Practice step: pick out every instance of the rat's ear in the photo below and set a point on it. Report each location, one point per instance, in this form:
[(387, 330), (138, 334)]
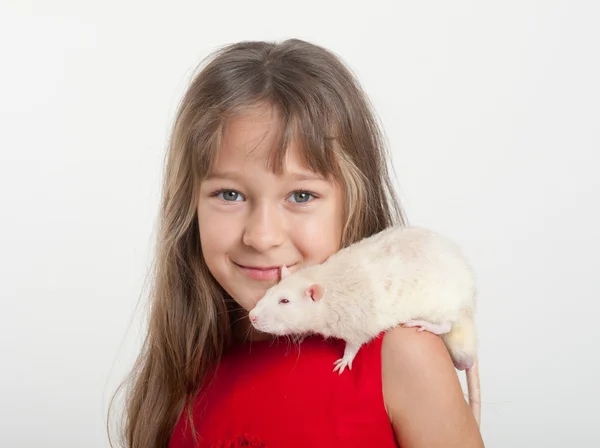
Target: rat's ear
[(315, 292), (284, 271)]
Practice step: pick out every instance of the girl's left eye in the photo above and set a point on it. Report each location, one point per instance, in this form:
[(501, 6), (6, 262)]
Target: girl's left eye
[(228, 195), (301, 197)]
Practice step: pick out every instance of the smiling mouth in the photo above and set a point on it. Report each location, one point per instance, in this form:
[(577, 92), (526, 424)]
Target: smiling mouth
[(261, 272), (259, 268)]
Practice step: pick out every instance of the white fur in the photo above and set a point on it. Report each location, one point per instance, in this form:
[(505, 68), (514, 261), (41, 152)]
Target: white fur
[(396, 276)]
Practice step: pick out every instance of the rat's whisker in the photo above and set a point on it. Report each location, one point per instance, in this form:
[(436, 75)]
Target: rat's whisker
[(247, 334)]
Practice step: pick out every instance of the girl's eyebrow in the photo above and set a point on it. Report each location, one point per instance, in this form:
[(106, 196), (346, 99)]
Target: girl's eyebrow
[(231, 175), (237, 176), (306, 176)]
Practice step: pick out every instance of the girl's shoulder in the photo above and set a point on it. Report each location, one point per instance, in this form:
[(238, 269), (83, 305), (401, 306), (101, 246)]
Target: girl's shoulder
[(278, 393), (422, 390)]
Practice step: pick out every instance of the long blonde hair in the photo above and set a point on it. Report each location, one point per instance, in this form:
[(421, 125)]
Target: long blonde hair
[(322, 106)]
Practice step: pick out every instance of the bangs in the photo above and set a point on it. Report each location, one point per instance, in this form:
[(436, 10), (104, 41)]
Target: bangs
[(313, 137)]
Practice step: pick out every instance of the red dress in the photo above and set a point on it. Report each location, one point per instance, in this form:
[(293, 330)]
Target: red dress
[(275, 394)]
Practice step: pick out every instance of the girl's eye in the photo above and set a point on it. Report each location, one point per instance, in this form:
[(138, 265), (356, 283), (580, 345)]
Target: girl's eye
[(301, 196), (284, 301), (228, 195)]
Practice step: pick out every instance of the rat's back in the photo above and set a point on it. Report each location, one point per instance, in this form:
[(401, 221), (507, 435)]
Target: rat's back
[(420, 273)]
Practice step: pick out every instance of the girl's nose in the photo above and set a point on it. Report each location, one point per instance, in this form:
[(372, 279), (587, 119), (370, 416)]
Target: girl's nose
[(264, 229)]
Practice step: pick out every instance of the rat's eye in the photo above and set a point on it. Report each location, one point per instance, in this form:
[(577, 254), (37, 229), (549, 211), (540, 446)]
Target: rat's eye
[(284, 300)]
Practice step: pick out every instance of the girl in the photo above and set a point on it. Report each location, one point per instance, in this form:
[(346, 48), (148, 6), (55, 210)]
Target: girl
[(276, 159)]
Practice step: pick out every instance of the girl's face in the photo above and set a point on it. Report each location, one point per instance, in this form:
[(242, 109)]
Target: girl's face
[(252, 221)]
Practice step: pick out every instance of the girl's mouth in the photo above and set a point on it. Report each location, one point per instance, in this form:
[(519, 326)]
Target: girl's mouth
[(261, 272)]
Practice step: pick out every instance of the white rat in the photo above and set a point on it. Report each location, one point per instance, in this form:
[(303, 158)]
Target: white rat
[(407, 276)]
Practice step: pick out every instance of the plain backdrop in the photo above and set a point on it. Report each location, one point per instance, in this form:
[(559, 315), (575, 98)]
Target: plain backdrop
[(492, 111)]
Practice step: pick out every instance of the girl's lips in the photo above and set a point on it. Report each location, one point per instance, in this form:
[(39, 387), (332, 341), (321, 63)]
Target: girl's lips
[(260, 273)]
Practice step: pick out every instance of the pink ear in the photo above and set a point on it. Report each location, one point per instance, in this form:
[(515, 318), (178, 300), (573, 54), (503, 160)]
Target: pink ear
[(284, 271), (314, 291)]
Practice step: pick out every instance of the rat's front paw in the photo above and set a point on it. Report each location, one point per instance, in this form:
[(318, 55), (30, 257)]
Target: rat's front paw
[(342, 363), (350, 352)]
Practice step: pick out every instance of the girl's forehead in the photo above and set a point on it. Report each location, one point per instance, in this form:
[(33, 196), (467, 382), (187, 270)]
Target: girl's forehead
[(258, 139), (254, 143), (236, 166), (260, 158)]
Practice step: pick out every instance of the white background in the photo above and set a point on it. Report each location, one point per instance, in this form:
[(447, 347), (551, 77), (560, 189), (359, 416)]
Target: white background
[(492, 110)]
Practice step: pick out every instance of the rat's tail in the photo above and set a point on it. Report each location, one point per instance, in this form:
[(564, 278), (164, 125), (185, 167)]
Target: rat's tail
[(461, 342), (474, 390)]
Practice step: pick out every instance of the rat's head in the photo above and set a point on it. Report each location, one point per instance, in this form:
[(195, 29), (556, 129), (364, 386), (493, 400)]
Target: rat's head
[(289, 307)]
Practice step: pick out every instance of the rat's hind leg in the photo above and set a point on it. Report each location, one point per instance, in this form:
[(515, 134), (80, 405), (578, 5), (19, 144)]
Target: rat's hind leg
[(462, 342), (438, 329), (346, 361)]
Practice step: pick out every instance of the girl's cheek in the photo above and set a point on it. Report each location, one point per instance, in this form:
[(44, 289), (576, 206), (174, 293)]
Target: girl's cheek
[(317, 237), (218, 230), (215, 227)]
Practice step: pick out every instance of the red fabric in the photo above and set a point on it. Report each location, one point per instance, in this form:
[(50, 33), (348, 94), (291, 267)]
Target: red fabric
[(274, 394)]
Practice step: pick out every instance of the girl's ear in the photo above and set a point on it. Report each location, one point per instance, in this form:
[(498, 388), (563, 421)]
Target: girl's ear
[(284, 271), (315, 292)]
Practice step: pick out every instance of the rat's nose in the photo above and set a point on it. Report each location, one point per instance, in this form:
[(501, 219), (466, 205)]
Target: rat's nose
[(253, 317)]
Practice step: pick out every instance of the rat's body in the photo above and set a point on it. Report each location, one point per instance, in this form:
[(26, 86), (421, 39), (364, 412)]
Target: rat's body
[(401, 276)]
